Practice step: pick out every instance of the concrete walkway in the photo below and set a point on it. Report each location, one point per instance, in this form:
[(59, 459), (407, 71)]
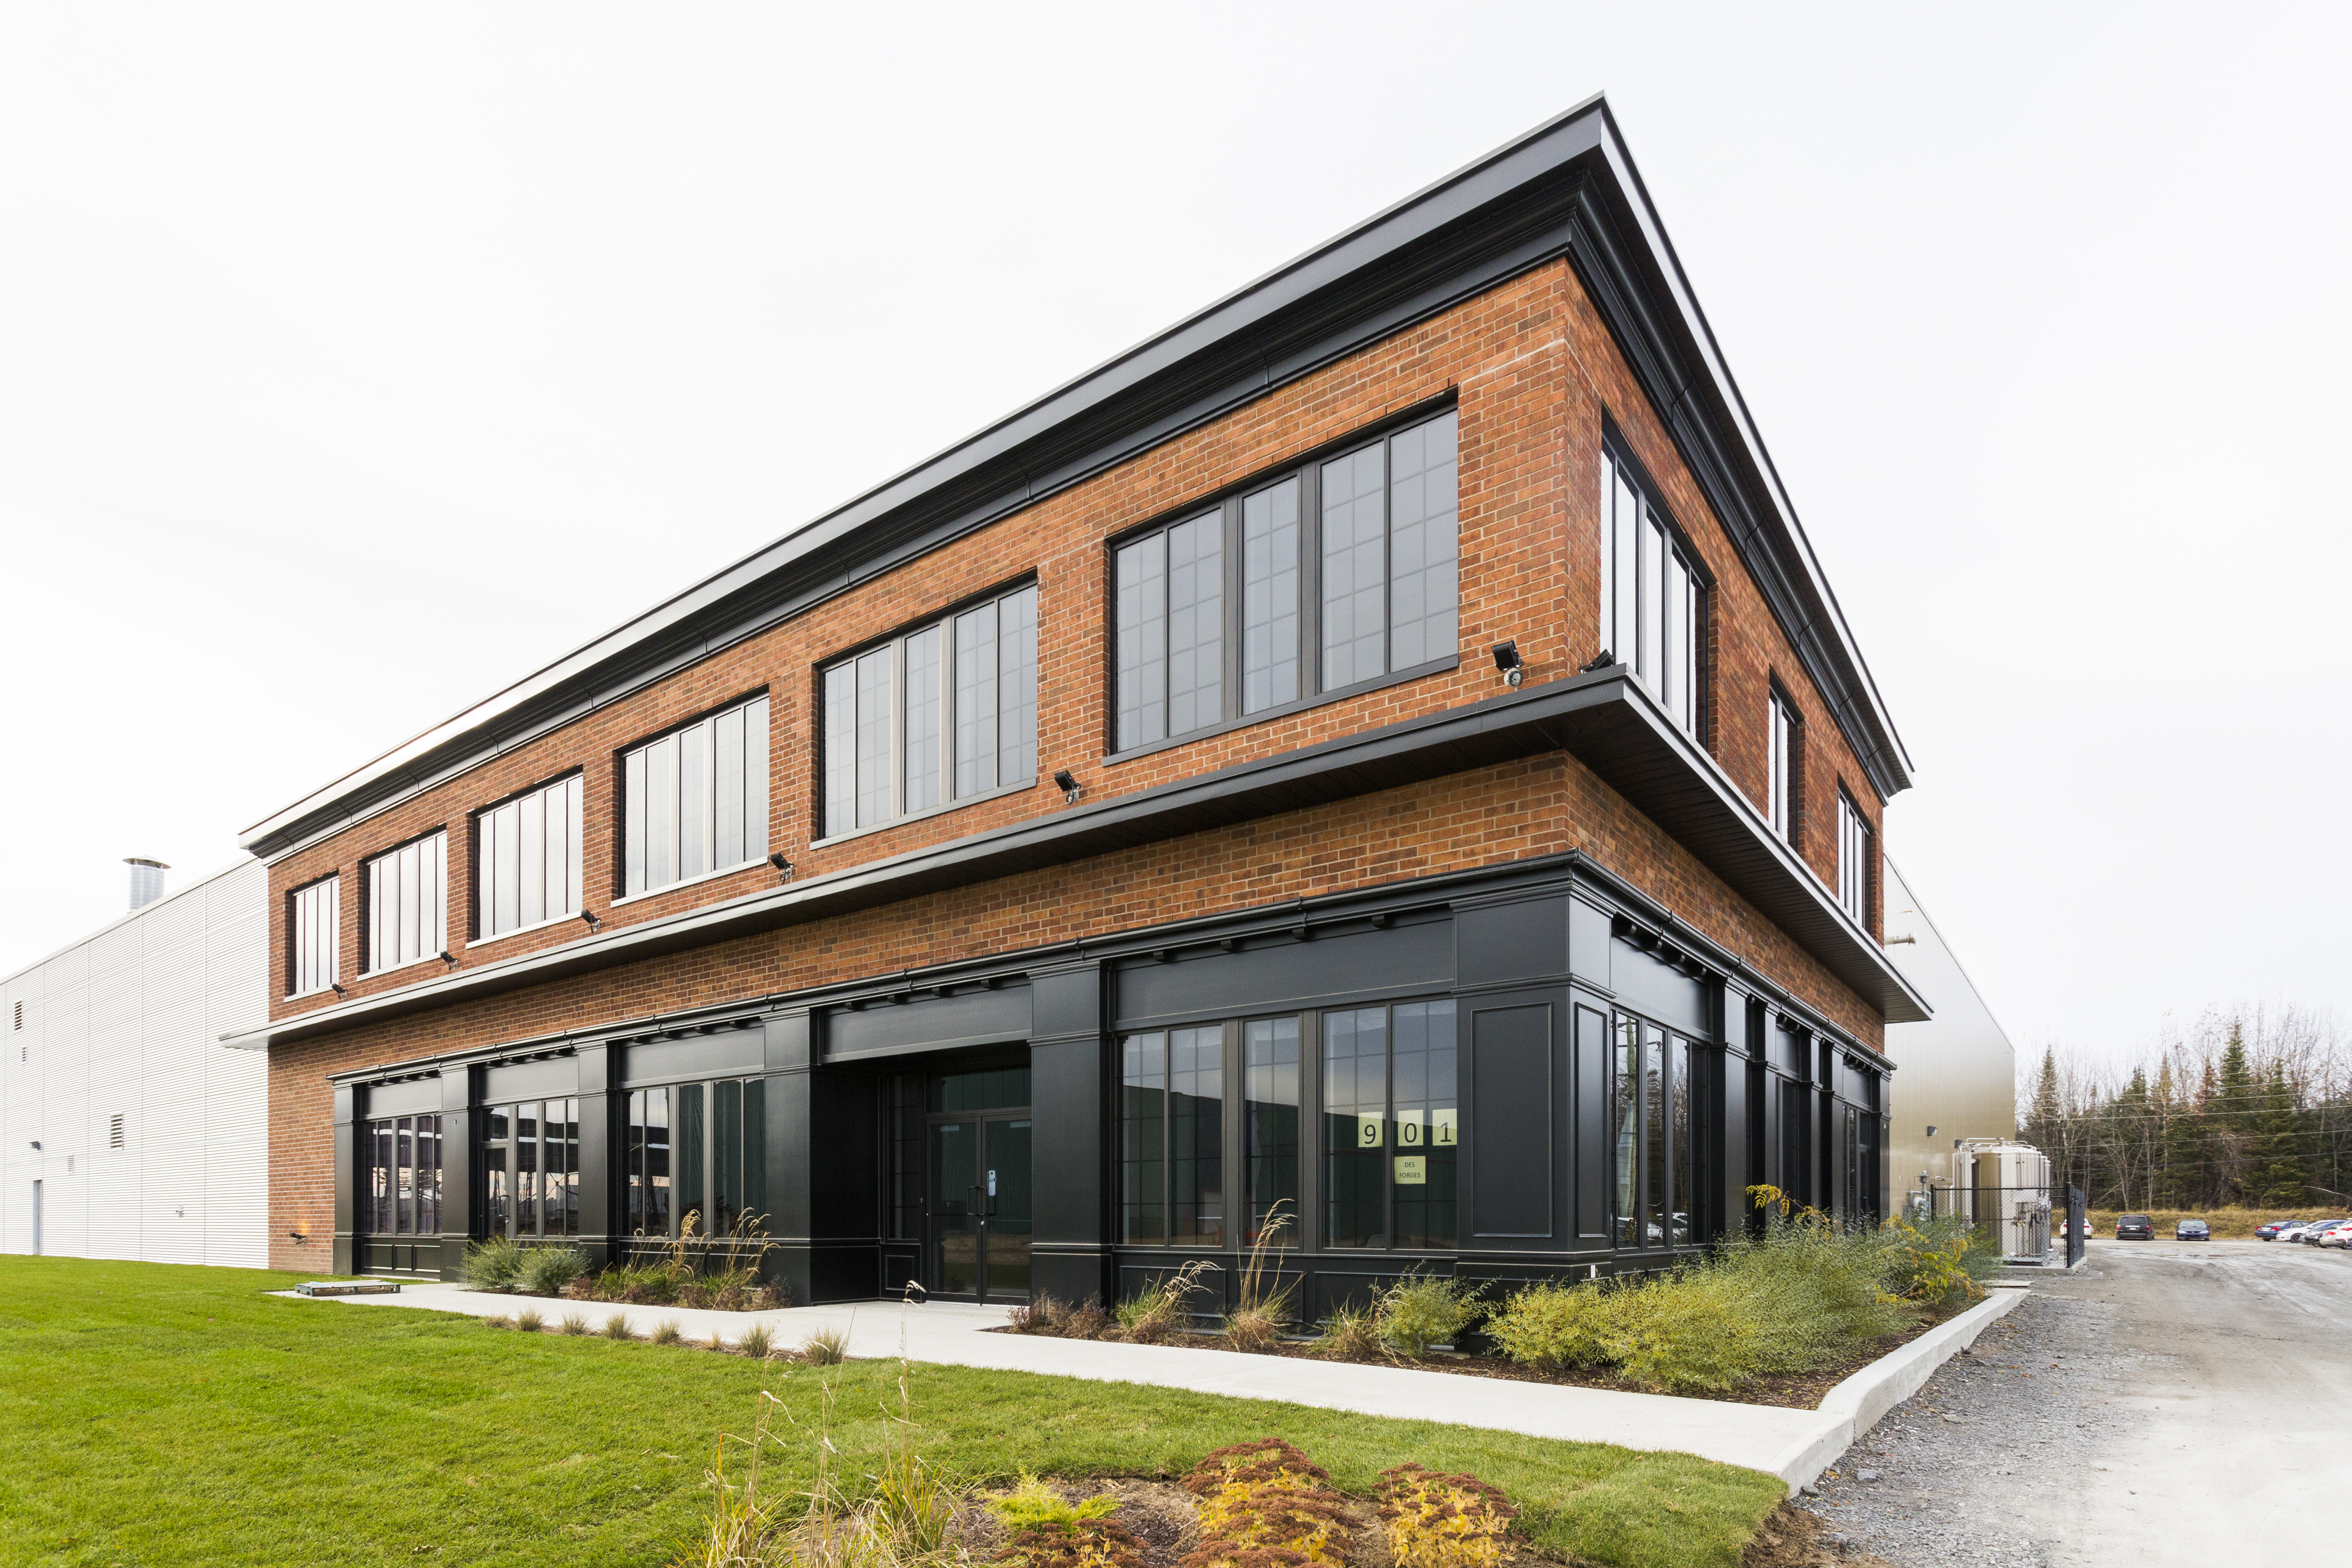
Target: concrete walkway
[(1794, 1445)]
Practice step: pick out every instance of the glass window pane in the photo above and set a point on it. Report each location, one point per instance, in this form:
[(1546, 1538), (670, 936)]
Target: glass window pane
[(874, 737), (1355, 570), (1627, 522), (1196, 1136), (1270, 1132), (1680, 1193), (1625, 1135), (1142, 573), (727, 789), (659, 1210), (526, 1169), (755, 780), (1654, 540), (634, 804), (1424, 543), (410, 941), (1196, 623), (1608, 550), (661, 812), (694, 800), (975, 700), (379, 1178), (1016, 685), (840, 749), (1270, 597), (1355, 1127), (1653, 1136), (726, 1156), (529, 862), (1674, 673), (569, 902), (920, 745), (1428, 1122), (755, 1158), (1142, 1138), (686, 1174)]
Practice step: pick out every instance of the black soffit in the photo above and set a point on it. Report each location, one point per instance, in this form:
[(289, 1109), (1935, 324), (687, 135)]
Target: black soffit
[(1605, 719), (1567, 189)]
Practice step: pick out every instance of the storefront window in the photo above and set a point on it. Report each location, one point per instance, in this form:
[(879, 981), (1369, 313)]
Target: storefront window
[(696, 1153), (531, 1168), (1652, 1136), (1172, 1135), (403, 1177), (1392, 1126), (1270, 1129)]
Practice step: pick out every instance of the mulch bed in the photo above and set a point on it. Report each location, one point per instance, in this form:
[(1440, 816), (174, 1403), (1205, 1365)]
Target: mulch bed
[(1803, 1390)]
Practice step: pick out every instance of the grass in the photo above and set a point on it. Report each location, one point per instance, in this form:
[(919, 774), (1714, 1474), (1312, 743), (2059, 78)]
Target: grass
[(153, 1413)]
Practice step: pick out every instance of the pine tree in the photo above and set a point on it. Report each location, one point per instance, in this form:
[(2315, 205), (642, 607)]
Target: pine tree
[(2184, 1152), (2278, 1172), (2234, 1112)]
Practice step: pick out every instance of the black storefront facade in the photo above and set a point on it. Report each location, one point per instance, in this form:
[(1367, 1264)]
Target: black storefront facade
[(1530, 1070)]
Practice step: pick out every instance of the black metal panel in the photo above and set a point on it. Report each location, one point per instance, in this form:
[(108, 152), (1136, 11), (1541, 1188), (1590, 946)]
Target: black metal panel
[(407, 1098), (1589, 937), (457, 1168), (1510, 1136), (1504, 944), (532, 1080), (347, 1115), (1590, 1070), (730, 1052), (1281, 972), (1659, 991), (786, 1040), (1070, 1170), (933, 1023)]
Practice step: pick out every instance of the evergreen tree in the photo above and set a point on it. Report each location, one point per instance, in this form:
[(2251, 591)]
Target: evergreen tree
[(2240, 1098), (2278, 1172), (2184, 1154)]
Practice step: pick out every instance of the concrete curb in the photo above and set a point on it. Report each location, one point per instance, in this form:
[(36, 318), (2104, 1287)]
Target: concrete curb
[(1855, 1406)]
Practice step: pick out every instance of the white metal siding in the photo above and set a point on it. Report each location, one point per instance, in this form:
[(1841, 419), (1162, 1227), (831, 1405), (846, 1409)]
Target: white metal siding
[(128, 1023)]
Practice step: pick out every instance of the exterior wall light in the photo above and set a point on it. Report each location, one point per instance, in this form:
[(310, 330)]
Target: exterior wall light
[(341, 990), (784, 867), (1600, 661), (1067, 784), (449, 958), (589, 917), (1507, 660)]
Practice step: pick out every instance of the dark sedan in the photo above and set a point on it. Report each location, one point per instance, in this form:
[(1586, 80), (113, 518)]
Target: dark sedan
[(2134, 1228), (2192, 1230)]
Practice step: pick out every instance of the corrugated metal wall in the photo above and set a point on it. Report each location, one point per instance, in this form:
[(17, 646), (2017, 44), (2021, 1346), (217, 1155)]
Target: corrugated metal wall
[(128, 1024)]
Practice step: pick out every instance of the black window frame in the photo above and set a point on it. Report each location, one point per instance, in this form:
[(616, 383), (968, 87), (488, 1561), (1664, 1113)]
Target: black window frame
[(634, 1180), (1680, 1161), (1618, 464), (1227, 503)]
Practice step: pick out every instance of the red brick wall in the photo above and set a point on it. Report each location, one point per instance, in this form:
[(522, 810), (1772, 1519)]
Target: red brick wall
[(1534, 368)]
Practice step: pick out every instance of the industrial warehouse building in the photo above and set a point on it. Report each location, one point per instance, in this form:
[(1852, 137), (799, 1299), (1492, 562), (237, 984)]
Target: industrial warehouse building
[(130, 1133), (1381, 753)]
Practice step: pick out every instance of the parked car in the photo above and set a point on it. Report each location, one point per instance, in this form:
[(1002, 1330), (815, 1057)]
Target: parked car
[(2294, 1231), (2338, 1235), (2270, 1233), (2192, 1230), (2311, 1235), (2134, 1228)]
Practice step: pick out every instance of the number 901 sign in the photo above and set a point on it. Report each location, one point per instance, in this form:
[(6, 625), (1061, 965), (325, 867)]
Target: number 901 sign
[(1414, 1130)]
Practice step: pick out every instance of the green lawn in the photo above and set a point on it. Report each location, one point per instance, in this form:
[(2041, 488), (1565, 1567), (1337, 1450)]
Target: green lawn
[(153, 1413)]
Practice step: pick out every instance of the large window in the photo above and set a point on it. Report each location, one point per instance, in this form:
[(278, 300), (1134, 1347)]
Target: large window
[(407, 908), (942, 713), (696, 802), (314, 935), (531, 1168), (1337, 575), (1650, 1111), (1853, 859), (695, 1160), (1650, 593), (1392, 1126), (1781, 741), (1172, 1137), (527, 859), (404, 1179)]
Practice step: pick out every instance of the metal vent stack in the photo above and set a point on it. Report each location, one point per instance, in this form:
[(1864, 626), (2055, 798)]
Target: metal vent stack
[(146, 880)]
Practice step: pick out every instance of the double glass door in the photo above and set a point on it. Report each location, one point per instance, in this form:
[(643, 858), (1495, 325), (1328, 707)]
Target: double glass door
[(980, 1216)]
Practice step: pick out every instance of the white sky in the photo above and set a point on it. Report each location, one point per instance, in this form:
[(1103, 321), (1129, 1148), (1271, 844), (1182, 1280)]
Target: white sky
[(355, 361)]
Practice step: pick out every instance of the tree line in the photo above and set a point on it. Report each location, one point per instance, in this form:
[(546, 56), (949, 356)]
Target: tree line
[(2249, 1106)]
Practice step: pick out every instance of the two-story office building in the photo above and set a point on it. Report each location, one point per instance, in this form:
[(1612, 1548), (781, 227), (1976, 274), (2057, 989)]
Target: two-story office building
[(1380, 753)]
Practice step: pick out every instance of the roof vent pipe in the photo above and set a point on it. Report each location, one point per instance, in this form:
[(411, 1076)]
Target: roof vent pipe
[(146, 881)]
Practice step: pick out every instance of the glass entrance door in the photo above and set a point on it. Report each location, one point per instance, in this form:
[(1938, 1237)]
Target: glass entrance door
[(980, 1208)]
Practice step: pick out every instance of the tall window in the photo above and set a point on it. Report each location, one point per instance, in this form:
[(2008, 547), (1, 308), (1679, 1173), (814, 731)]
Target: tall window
[(946, 711), (1172, 1137), (527, 859), (696, 800), (1337, 575), (1780, 786), (531, 1168), (1650, 1110), (404, 1179), (696, 1159), (314, 933), (1270, 1126), (1853, 859), (408, 914), (1649, 593), (1392, 1126)]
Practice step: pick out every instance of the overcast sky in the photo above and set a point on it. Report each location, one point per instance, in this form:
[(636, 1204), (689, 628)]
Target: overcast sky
[(355, 361)]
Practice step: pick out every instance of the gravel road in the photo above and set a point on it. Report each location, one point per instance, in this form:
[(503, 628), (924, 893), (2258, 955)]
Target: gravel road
[(2159, 1405)]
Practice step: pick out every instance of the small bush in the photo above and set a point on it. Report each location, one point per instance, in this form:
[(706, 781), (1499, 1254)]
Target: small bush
[(1154, 1314), (574, 1324), (1033, 1504), (1265, 1505), (1554, 1326), (1043, 1314), (826, 1347), (667, 1332), (529, 1321), (758, 1340), (1254, 1329), (1443, 1521), (1423, 1309), (1349, 1332), (1088, 1320), (617, 1327), (548, 1270), (495, 1265)]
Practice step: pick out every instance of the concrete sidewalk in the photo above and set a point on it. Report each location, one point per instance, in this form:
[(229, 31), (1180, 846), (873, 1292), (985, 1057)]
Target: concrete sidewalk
[(1794, 1445)]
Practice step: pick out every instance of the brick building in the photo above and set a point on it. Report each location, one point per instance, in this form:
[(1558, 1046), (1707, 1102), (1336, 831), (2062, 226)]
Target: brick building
[(1380, 752)]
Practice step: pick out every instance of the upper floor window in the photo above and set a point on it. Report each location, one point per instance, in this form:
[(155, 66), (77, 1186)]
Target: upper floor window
[(407, 909), (696, 800), (1337, 574), (527, 859), (1853, 859), (1781, 786), (314, 930), (939, 714), (1649, 592)]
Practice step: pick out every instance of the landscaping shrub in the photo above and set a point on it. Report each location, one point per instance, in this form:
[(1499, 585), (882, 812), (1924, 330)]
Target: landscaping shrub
[(667, 1332), (617, 1327), (1434, 1521), (548, 1270), (574, 1324), (529, 1321), (1153, 1314), (1423, 1309), (758, 1341), (494, 1265), (826, 1347), (1265, 1505), (1349, 1332)]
